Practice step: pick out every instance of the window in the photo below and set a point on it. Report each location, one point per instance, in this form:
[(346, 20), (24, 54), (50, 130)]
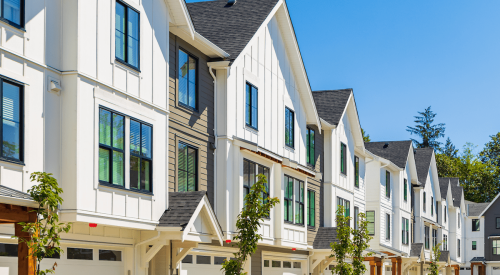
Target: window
[(458, 246), (80, 254), (496, 247), (444, 214), (294, 192), (474, 245), (250, 172), (425, 203), (297, 265), (356, 214), (437, 212), (405, 184), (110, 255), (141, 156), (387, 226), (266, 263), (434, 237), (356, 171), (203, 259), (252, 110), (289, 128), (127, 35), (459, 218), (426, 231), (220, 260), (13, 12), (432, 206), (287, 264), (346, 204), (187, 168), (276, 264), (445, 242), (8, 250), (12, 126), (498, 223), (188, 259), (311, 208), (370, 218), (187, 75), (343, 159), (111, 148), (405, 232), (475, 225), (311, 157), (388, 184)]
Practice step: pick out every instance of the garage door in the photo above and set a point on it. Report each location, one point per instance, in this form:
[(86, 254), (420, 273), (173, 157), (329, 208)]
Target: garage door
[(202, 263), (282, 267), (75, 260)]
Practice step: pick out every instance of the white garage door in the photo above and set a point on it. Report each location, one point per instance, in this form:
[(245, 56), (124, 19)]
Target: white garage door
[(205, 264), (282, 267), (75, 260)]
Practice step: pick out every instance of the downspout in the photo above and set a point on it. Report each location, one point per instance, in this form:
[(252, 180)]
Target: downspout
[(141, 243), (215, 137)]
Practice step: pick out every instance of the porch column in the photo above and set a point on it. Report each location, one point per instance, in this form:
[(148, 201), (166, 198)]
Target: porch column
[(379, 268), (400, 263), (372, 268)]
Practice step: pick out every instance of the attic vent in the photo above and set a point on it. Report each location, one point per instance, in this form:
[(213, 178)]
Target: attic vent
[(386, 145), (230, 3)]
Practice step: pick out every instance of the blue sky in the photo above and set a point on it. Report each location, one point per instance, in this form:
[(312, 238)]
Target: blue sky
[(403, 56)]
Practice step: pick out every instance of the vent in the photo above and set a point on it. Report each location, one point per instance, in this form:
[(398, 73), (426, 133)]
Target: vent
[(386, 145), (230, 3)]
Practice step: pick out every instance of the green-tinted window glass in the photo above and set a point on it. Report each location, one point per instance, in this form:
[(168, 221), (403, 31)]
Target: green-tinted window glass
[(187, 170), (288, 199), (141, 156), (405, 184), (356, 171), (311, 208), (299, 202), (343, 159), (388, 184), (127, 34), (311, 157), (111, 144), (289, 128), (370, 218), (474, 245)]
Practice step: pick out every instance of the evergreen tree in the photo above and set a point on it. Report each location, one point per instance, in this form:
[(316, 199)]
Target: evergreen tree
[(427, 130), (449, 149), (366, 138), (491, 151)]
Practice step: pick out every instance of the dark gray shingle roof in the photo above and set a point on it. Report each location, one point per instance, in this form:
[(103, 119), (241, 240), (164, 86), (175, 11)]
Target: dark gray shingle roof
[(324, 237), (475, 209), (423, 157), (416, 249), (181, 208), (9, 192), (456, 191), (444, 184), (478, 259), (394, 151), (445, 256), (331, 104), (230, 27)]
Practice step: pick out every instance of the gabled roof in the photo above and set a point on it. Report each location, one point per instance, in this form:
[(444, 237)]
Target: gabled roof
[(444, 257), (331, 104), (423, 158), (324, 237), (182, 206), (416, 249), (444, 185), (489, 205), (230, 27), (478, 259), (475, 209), (394, 151), (457, 191)]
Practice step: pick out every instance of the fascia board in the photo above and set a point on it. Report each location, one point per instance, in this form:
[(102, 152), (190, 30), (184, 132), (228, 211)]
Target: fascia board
[(181, 5), (413, 164), (352, 112), (216, 49), (385, 162), (488, 207)]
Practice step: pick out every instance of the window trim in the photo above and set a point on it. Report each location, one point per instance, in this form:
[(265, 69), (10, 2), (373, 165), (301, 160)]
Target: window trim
[(21, 120), (308, 145), (22, 17), (477, 228), (197, 77), (196, 185), (356, 171), (251, 106), (343, 158), (309, 193), (405, 232), (292, 146), (123, 62)]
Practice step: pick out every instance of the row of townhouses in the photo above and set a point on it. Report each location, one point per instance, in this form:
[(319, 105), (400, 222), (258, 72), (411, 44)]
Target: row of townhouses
[(156, 116)]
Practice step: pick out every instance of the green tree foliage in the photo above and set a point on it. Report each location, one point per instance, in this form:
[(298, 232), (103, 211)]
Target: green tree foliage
[(46, 231), (491, 151), (343, 248), (449, 149), (428, 132), (436, 253), (366, 137), (360, 241), (248, 223)]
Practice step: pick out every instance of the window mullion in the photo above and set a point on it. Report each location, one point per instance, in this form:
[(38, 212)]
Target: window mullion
[(125, 29)]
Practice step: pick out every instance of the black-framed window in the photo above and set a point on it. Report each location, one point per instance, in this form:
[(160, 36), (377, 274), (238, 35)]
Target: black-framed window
[(343, 158), (474, 245), (80, 253), (311, 154), (426, 237), (188, 168), (299, 202), (387, 226), (356, 218), (311, 208), (445, 210), (476, 225), (388, 184), (127, 31), (370, 218), (356, 171), (432, 206), (110, 255), (405, 186), (498, 223), (289, 128), (434, 237), (437, 211), (425, 202), (141, 156), (252, 106), (496, 247), (458, 246), (188, 78), (294, 192), (111, 147), (288, 199), (12, 130), (12, 11), (346, 204), (250, 171), (405, 232), (445, 242)]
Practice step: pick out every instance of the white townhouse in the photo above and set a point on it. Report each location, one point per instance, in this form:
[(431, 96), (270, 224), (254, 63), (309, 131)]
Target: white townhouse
[(389, 179), (84, 89), (474, 243), (266, 122)]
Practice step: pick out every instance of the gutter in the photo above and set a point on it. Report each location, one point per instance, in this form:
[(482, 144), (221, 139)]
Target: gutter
[(402, 253)]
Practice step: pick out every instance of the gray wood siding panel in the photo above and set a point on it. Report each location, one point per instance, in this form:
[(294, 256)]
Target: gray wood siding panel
[(490, 229)]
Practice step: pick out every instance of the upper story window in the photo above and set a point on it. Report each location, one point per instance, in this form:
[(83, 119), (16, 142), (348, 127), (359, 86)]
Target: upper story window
[(311, 208), (475, 225), (294, 191), (188, 168), (405, 232), (370, 218), (458, 246), (187, 74), (432, 206), (405, 192), (356, 218), (13, 12), (434, 237), (250, 172), (311, 154), (289, 127), (496, 247), (425, 203), (343, 158), (474, 245), (445, 214), (127, 35), (387, 226), (346, 204), (426, 237), (252, 106), (497, 223), (388, 184), (11, 131), (356, 171), (445, 242), (113, 154), (459, 218)]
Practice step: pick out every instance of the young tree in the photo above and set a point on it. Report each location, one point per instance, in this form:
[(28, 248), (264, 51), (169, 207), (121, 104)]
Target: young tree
[(256, 207), (427, 130), (366, 137), (46, 231), (360, 244), (343, 248), (436, 253)]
